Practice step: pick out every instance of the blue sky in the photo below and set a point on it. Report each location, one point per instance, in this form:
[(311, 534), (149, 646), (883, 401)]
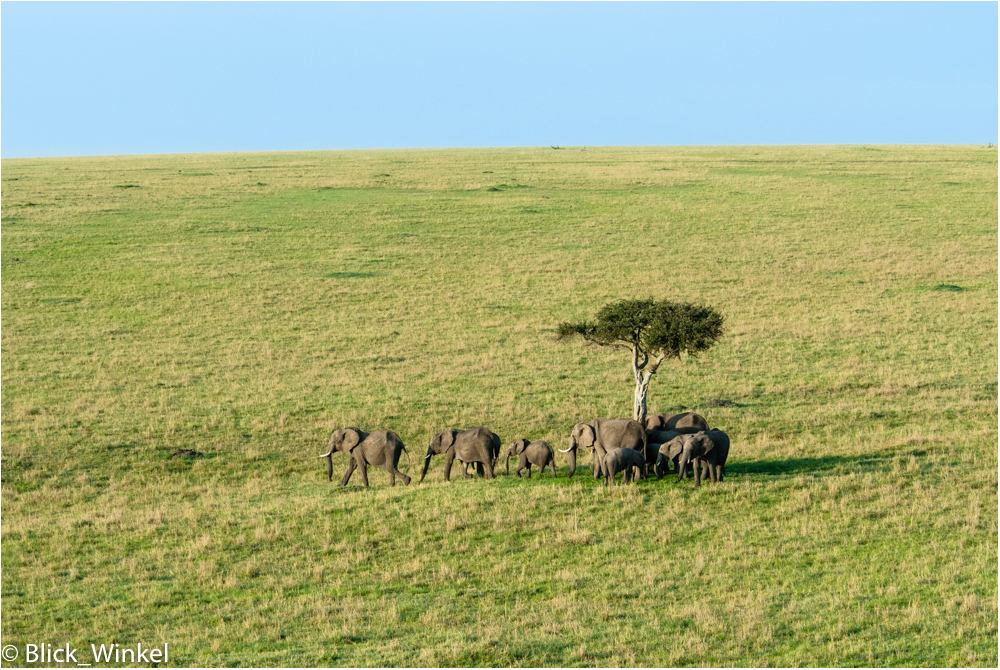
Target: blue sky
[(137, 78)]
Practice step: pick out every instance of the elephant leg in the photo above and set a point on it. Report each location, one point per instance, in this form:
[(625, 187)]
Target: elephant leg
[(363, 471), (553, 464), (520, 466), (529, 470), (393, 473), (465, 470), (488, 468), (350, 471), (479, 470), (449, 458)]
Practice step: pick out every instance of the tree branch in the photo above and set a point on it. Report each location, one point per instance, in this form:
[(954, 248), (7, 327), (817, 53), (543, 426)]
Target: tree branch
[(656, 364)]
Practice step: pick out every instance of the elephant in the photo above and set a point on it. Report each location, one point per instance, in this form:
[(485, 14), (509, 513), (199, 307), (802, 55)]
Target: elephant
[(624, 461), (381, 449), (495, 445), (668, 451), (655, 438), (688, 422), (602, 435), (710, 448), (531, 453), (475, 445)]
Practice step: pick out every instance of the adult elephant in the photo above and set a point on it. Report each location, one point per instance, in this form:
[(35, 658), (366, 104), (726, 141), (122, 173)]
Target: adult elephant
[(688, 422), (381, 449), (494, 457), (602, 435), (711, 448), (475, 445)]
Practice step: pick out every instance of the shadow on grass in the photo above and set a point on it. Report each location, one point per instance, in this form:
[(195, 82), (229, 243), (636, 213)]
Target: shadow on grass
[(825, 464)]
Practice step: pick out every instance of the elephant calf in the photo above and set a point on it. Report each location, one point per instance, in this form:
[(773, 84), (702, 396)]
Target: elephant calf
[(623, 460), (668, 451), (531, 453), (654, 440)]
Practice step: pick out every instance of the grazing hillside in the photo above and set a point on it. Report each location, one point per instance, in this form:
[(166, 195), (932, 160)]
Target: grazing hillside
[(244, 306)]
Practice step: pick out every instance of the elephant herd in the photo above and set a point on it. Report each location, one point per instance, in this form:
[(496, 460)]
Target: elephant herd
[(617, 445)]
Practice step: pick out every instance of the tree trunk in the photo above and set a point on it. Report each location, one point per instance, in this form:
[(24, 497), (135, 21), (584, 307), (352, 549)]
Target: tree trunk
[(639, 406), (643, 375)]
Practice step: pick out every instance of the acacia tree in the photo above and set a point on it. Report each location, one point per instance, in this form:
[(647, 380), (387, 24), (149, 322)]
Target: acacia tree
[(654, 330)]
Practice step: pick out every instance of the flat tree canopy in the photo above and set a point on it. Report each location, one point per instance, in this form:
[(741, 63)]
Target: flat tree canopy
[(654, 330)]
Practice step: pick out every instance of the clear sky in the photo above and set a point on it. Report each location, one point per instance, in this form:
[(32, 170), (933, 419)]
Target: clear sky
[(137, 78)]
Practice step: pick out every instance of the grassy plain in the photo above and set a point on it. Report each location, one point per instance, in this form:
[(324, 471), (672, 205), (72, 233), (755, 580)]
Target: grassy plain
[(244, 305)]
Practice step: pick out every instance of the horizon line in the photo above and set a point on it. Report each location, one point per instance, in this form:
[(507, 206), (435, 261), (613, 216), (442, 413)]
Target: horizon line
[(572, 147)]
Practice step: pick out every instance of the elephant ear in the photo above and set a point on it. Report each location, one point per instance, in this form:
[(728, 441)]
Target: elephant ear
[(674, 447), (588, 436), (520, 446), (447, 439), (701, 444), (351, 438)]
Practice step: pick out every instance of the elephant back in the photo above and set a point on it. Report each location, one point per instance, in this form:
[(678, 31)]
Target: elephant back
[(688, 422), (625, 433), (540, 452), (477, 438)]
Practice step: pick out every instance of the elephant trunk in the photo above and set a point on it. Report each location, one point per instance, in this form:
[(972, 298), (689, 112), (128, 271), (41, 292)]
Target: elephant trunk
[(329, 459), (682, 466), (427, 463), (329, 447), (658, 468), (572, 455), (508, 461)]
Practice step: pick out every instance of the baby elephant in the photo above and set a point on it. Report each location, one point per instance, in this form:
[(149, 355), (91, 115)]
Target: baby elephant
[(623, 460), (654, 440), (669, 451), (531, 453)]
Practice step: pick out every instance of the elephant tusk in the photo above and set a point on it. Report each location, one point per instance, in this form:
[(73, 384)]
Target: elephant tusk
[(428, 456), (326, 454), (563, 451)]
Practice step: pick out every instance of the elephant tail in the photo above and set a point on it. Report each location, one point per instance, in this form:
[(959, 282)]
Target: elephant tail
[(407, 460)]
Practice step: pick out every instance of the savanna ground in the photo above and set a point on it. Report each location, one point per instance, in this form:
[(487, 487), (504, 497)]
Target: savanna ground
[(245, 305)]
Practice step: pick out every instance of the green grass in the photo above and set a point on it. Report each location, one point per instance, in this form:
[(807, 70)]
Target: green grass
[(244, 305)]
